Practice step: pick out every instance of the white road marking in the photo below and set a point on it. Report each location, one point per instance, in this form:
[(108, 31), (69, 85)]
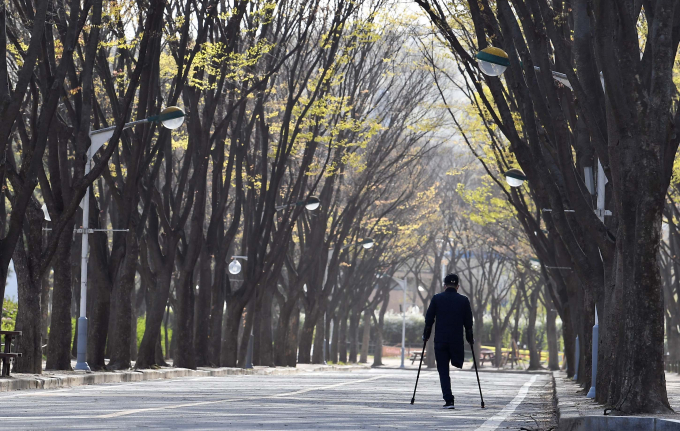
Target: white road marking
[(494, 422), (203, 403)]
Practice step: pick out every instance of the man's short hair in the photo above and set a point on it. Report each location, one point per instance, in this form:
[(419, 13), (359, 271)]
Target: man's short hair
[(451, 280)]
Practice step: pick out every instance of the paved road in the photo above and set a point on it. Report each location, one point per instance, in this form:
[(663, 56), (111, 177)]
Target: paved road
[(324, 400)]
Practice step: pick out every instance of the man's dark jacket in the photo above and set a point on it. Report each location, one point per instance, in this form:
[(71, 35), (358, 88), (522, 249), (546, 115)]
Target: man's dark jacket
[(452, 312)]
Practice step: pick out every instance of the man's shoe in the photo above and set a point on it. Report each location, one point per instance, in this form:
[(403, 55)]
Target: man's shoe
[(449, 405)]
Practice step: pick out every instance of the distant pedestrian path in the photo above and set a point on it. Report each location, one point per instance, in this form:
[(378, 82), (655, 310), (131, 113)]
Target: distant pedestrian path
[(320, 400)]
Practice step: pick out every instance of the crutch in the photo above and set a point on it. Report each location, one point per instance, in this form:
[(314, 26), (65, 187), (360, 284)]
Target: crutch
[(474, 359), (422, 355)]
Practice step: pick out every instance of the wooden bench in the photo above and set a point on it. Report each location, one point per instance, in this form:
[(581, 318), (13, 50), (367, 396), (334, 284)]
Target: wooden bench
[(7, 355), (415, 356), (486, 355)]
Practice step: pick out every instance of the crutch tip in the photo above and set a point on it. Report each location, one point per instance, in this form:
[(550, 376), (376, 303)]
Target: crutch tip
[(412, 400), (482, 405)]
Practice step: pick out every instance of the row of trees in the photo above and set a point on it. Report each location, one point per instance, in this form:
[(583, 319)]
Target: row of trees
[(283, 100), (618, 111)]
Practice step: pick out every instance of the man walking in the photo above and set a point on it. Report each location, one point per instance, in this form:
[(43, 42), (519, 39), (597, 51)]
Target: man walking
[(452, 312)]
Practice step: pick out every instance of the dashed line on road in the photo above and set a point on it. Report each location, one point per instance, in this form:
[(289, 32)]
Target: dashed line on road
[(204, 403), (494, 422)]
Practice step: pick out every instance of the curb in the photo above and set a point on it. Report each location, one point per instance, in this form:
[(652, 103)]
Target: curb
[(617, 423), (96, 378), (569, 419)]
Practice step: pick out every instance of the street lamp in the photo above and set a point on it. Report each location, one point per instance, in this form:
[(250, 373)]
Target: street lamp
[(515, 177), (171, 118), (235, 265), (492, 61), (311, 203), (235, 268)]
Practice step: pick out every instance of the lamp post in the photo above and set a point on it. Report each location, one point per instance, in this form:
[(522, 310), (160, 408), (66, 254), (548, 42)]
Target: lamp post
[(235, 268), (402, 282), (171, 117), (493, 61), (366, 243)]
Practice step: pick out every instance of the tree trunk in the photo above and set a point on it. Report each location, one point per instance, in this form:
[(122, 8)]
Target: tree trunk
[(266, 340), (319, 336), (203, 307), (378, 352), (283, 331), (133, 329), (634, 304), (184, 329), (217, 305), (534, 359), (44, 305), (155, 312), (29, 314), (59, 346), (119, 337), (366, 336), (292, 338), (585, 338), (498, 343), (160, 360), (337, 319), (551, 332), (230, 348), (342, 338), (354, 334), (333, 344), (569, 339), (245, 337), (99, 291), (306, 337)]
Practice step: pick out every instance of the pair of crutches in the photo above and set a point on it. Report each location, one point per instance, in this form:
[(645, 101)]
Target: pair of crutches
[(474, 359)]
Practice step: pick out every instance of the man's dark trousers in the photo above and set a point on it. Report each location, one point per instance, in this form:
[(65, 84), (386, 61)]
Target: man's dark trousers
[(443, 353)]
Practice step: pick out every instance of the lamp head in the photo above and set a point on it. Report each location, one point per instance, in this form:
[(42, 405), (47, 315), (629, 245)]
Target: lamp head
[(367, 243), (515, 177), (171, 117), (235, 267), (312, 203), (492, 61)]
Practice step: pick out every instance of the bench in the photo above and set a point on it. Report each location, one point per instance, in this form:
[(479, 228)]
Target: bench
[(415, 356), (7, 355), (486, 355)]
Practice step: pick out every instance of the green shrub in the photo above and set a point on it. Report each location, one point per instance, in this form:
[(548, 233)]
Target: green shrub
[(9, 314)]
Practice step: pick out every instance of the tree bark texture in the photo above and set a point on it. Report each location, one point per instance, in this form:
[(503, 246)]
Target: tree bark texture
[(29, 318), (59, 343), (203, 309), (366, 338), (121, 297)]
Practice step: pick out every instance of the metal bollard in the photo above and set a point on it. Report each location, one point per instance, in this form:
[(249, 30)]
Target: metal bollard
[(249, 352), (577, 354), (596, 333)]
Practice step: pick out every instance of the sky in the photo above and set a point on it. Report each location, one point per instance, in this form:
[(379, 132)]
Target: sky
[(11, 287)]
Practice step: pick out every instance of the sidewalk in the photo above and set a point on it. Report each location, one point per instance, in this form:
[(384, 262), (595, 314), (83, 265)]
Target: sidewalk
[(576, 412), (62, 379)]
